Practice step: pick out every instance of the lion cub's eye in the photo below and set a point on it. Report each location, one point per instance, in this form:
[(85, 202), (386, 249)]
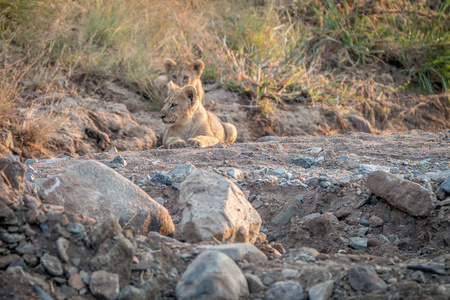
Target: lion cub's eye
[(174, 77), (185, 78), (173, 105)]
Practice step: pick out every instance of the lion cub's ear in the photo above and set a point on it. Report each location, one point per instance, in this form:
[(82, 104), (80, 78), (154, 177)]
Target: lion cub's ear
[(169, 64), (172, 86), (190, 92), (198, 66)]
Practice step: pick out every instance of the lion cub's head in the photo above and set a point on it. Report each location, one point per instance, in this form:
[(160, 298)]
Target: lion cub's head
[(184, 73), (180, 104)]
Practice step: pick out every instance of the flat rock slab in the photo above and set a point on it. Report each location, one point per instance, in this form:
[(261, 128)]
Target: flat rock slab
[(239, 252), (214, 207), (436, 268), (212, 275), (358, 243), (402, 194), (305, 161), (95, 190), (442, 175), (179, 173)]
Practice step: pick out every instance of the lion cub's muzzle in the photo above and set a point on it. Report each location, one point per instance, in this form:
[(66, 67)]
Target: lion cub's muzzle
[(166, 120)]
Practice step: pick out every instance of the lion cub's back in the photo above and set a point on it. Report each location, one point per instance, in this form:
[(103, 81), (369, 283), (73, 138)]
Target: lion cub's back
[(224, 132)]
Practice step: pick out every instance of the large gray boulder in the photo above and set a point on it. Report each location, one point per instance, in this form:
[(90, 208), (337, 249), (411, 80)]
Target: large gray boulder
[(212, 275), (402, 194), (95, 190), (214, 207)]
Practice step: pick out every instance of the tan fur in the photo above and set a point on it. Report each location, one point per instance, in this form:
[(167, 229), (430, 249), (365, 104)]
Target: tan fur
[(182, 74), (191, 125)]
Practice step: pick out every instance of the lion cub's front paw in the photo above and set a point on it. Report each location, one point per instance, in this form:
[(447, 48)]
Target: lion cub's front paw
[(177, 145), (195, 143)]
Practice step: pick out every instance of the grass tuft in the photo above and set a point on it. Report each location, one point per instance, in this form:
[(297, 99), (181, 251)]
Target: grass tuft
[(266, 49)]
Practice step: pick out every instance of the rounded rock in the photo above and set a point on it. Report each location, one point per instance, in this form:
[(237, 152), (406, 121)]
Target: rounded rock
[(212, 275), (104, 285), (375, 221), (76, 281), (52, 264), (61, 246)]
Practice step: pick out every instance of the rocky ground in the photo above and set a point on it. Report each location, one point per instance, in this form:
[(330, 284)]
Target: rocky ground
[(332, 217)]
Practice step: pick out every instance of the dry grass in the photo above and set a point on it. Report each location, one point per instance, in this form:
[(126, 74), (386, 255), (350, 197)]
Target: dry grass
[(9, 91), (32, 133), (30, 124), (274, 48)]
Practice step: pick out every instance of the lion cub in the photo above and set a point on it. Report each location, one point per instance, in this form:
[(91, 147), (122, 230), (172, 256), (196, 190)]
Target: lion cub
[(182, 74), (190, 123)]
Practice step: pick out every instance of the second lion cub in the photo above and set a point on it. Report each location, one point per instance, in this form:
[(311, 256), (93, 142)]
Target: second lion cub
[(190, 123), (182, 74)]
